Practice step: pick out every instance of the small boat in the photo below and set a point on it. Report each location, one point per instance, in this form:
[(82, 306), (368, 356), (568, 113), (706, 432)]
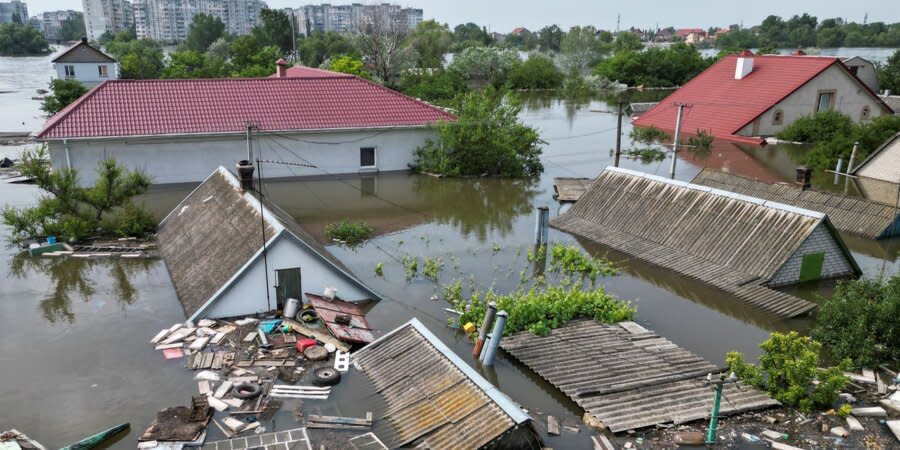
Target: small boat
[(97, 439)]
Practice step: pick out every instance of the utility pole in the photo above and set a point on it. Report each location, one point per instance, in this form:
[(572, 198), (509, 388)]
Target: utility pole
[(618, 135), (677, 136), (249, 148), (714, 414)]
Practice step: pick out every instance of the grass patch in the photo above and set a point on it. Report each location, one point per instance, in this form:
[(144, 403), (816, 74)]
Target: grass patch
[(570, 261), (349, 232), (432, 268)]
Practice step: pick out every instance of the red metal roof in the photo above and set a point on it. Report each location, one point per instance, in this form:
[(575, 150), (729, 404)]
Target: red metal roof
[(214, 106), (310, 72), (722, 105)]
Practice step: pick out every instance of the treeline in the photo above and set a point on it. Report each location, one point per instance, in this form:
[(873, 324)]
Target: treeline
[(18, 39), (803, 31)]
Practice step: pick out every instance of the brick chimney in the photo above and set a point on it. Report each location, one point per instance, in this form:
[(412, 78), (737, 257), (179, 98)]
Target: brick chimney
[(281, 68), (245, 174)]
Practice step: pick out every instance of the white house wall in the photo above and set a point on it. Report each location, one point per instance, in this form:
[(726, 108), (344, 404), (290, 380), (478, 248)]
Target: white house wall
[(850, 98), (885, 166), (191, 159), (88, 73), (246, 295), (820, 240)]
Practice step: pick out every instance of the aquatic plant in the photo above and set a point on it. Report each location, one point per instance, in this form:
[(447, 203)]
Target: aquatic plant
[(379, 269), (646, 155), (570, 261), (410, 265), (432, 268), (349, 232), (540, 310)]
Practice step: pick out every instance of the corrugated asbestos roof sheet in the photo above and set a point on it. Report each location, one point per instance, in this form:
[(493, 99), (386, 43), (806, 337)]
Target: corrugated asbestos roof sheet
[(626, 376), (215, 232), (733, 242), (849, 214), (434, 399), (118, 108)]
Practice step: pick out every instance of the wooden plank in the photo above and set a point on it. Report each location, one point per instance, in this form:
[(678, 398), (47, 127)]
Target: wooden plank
[(227, 433), (341, 420), (335, 426), (873, 411), (168, 346), (217, 338), (204, 387), (552, 426), (159, 336), (316, 334), (219, 405), (601, 442), (250, 336), (894, 426), (217, 360), (854, 424), (223, 389), (199, 343)]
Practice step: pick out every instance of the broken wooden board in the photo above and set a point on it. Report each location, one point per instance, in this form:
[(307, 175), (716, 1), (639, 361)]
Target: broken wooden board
[(356, 331), (343, 420), (219, 405), (335, 426), (199, 343), (872, 411), (204, 387), (552, 426), (159, 336), (267, 363), (861, 378), (179, 335), (223, 389), (318, 335), (894, 426), (601, 442), (250, 336), (854, 424), (168, 346)]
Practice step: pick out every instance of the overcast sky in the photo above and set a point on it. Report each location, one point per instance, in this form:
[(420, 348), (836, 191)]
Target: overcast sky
[(503, 16)]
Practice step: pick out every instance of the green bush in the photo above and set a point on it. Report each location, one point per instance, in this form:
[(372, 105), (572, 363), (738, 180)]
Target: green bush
[(861, 321), (673, 66), (824, 126), (487, 139), (540, 310), (349, 232), (834, 134), (134, 221), (537, 72), (789, 371), (62, 93), (571, 261), (648, 135), (436, 86)]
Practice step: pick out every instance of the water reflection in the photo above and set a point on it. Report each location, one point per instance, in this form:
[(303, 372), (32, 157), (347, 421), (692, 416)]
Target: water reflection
[(70, 277), (477, 206)]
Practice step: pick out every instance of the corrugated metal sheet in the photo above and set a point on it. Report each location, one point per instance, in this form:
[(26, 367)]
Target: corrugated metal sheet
[(433, 398), (733, 242), (357, 331), (852, 215), (626, 376)]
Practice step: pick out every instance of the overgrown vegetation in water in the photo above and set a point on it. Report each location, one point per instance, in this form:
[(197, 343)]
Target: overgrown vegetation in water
[(410, 266), (540, 310), (861, 321), (349, 232), (432, 268), (646, 155), (833, 134), (648, 135), (73, 212), (789, 371), (570, 261), (379, 269)]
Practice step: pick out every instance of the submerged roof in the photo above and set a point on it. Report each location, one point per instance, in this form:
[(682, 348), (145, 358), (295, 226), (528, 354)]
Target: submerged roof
[(118, 108), (83, 52), (734, 242), (214, 235), (626, 376), (433, 397), (853, 215), (723, 105)]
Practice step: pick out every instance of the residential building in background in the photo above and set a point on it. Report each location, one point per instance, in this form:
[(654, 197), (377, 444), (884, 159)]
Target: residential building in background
[(86, 64), (52, 22), (169, 20), (354, 18), (8, 10), (101, 16)]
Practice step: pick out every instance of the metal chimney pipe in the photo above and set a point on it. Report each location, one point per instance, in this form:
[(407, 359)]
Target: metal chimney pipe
[(494, 344)]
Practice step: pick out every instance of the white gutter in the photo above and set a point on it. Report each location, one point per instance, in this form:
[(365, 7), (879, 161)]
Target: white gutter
[(68, 157)]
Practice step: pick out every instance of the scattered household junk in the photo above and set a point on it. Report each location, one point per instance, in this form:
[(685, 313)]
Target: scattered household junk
[(295, 439), (16, 440), (626, 377), (219, 251), (434, 399), (742, 245), (854, 215), (345, 320), (122, 248)]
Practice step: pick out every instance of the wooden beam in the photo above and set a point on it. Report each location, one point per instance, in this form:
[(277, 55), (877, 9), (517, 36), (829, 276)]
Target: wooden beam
[(317, 335)]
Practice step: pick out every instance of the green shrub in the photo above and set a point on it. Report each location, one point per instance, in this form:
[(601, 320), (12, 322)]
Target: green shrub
[(62, 93), (861, 321), (540, 310), (432, 268), (834, 135), (537, 72), (349, 232), (646, 155), (433, 85), (648, 135), (133, 220), (789, 371), (410, 266), (824, 126), (571, 261)]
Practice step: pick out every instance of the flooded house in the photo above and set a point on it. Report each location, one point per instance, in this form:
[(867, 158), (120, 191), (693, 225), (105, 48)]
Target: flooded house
[(231, 254), (301, 123), (746, 97), (878, 176), (745, 246), (86, 64), (429, 397)]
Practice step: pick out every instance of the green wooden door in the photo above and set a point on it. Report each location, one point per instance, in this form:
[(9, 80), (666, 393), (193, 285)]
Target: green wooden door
[(288, 285), (811, 267)]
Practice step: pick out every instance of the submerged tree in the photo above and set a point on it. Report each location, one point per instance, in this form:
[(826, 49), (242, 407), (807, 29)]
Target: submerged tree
[(62, 93), (74, 212)]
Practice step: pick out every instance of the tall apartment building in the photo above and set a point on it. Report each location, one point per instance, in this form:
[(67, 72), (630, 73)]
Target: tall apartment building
[(52, 21), (169, 20), (15, 8), (354, 18), (101, 16)]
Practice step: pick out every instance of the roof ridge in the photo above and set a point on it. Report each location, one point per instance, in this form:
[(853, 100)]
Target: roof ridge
[(721, 193)]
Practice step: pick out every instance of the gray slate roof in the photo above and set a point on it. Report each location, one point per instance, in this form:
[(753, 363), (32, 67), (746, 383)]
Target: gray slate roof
[(214, 233), (733, 242), (849, 214), (626, 376), (433, 398), (83, 52)]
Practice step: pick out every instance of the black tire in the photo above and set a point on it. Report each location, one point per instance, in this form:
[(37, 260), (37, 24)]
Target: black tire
[(246, 391), (326, 376)]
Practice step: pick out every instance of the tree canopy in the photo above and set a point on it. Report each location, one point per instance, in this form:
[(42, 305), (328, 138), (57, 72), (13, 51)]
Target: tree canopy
[(204, 30), (62, 93), (17, 39)]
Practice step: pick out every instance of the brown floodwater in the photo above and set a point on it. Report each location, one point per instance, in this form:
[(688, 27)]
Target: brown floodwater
[(74, 358)]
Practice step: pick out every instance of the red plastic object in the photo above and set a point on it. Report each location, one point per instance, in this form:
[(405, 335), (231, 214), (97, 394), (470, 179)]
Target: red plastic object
[(303, 344)]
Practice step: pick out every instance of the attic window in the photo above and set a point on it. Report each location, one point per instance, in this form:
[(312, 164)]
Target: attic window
[(778, 117), (865, 113)]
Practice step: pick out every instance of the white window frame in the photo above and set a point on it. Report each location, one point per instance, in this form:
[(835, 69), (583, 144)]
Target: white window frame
[(66, 71), (373, 167)]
